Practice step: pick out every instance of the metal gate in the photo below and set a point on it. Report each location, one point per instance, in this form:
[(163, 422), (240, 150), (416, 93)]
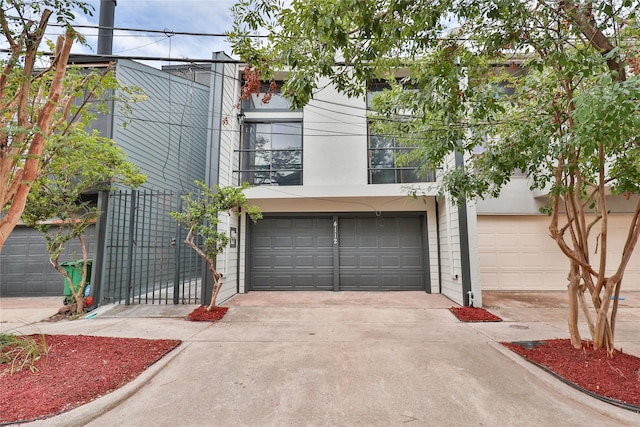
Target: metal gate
[(146, 260)]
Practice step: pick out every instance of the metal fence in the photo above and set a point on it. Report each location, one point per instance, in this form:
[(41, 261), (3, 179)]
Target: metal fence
[(146, 260)]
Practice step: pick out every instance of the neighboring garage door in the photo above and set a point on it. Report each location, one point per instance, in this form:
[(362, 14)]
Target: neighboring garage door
[(25, 270), (517, 254), (371, 254)]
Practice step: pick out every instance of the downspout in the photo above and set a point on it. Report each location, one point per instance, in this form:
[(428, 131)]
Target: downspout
[(438, 244), (238, 246), (212, 171)]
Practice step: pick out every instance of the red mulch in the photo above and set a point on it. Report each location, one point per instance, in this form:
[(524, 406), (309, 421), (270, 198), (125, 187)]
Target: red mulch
[(474, 314), (201, 314), (77, 370), (616, 377)]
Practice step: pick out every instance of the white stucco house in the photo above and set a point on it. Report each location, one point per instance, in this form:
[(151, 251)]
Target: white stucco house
[(337, 215)]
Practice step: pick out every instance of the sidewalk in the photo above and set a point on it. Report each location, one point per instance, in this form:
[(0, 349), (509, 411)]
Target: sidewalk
[(286, 358)]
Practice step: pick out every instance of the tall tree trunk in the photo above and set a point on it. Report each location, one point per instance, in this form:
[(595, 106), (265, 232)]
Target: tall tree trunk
[(31, 167)]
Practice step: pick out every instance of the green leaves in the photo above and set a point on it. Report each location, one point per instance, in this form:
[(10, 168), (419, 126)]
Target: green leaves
[(516, 86), (201, 214)]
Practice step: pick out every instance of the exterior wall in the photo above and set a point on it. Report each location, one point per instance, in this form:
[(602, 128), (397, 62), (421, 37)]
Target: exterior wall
[(450, 260), (515, 199), (335, 166), (335, 142), (227, 122), (167, 134)]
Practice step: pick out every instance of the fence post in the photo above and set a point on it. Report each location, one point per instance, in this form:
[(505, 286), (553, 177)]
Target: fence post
[(178, 264), (132, 219)]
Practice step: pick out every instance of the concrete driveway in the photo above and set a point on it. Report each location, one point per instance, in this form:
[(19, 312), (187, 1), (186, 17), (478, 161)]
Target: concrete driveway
[(336, 359)]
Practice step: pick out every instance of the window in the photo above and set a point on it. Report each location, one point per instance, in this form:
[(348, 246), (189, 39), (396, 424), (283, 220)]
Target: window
[(384, 154), (271, 153), (276, 103), (385, 151)]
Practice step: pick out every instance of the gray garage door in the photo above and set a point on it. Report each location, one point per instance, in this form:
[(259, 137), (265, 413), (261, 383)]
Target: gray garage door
[(25, 270), (381, 254), (292, 254), (369, 254)]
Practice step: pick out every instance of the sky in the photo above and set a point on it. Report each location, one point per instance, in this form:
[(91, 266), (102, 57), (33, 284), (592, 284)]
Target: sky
[(194, 16)]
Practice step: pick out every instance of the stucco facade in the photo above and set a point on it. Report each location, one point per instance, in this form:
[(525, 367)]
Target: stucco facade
[(336, 190)]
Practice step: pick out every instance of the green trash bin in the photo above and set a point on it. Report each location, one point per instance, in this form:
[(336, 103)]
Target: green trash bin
[(74, 269)]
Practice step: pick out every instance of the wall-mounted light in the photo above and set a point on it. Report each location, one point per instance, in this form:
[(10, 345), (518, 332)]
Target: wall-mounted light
[(233, 237), (241, 117)]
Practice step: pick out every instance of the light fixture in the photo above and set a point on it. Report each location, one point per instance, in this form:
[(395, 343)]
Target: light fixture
[(241, 117)]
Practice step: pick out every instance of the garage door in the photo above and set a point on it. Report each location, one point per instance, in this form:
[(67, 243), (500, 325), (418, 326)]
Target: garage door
[(517, 254), (381, 254), (25, 270), (292, 254), (369, 254)]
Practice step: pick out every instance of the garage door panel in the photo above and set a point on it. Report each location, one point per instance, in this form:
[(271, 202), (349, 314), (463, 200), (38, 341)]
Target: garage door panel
[(368, 242), (324, 261), (283, 242), (282, 260), (413, 242), (389, 242)]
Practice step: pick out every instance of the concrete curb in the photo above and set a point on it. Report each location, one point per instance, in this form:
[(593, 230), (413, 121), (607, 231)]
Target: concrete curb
[(622, 415), (90, 411)]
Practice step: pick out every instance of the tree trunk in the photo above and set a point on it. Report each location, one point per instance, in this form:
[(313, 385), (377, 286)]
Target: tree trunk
[(45, 117), (572, 290), (216, 287)]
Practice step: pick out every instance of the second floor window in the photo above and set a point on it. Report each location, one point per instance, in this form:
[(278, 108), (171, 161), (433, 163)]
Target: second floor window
[(271, 153), (385, 166)]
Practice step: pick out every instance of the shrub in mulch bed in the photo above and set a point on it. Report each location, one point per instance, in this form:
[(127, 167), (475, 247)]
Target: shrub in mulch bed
[(474, 314), (201, 314)]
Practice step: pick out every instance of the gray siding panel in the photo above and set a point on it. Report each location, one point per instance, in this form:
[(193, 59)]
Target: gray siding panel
[(166, 134)]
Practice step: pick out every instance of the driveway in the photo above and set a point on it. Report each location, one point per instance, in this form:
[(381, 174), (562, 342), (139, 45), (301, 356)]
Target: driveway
[(335, 359)]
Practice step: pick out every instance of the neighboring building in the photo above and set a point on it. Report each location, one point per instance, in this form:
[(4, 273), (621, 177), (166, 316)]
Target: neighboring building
[(167, 136), (518, 254)]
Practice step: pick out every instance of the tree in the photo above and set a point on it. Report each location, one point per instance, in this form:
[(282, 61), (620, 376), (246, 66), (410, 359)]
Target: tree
[(201, 214), (76, 167), (550, 88), (35, 102)]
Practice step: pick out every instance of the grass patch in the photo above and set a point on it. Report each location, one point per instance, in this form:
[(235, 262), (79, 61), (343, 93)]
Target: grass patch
[(20, 351)]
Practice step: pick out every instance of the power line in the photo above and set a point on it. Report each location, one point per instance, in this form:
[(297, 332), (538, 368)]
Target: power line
[(166, 32)]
